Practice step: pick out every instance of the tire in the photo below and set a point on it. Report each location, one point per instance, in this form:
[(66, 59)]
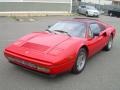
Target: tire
[(110, 14), (81, 59), (86, 14), (97, 16), (77, 11), (109, 45)]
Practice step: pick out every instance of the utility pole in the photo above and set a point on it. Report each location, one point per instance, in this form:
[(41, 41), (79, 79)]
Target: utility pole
[(99, 4), (71, 5)]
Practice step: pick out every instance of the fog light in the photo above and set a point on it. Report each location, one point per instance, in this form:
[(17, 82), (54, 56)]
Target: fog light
[(43, 69)]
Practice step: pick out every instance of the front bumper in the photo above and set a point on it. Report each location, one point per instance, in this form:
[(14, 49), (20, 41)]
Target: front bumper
[(93, 14), (39, 66)]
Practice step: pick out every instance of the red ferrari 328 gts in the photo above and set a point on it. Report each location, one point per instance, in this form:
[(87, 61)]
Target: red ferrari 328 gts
[(65, 46)]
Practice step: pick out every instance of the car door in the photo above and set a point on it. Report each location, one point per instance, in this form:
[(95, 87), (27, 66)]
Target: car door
[(103, 35), (95, 43), (82, 9)]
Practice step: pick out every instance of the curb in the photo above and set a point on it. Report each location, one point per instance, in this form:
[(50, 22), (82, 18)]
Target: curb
[(35, 13)]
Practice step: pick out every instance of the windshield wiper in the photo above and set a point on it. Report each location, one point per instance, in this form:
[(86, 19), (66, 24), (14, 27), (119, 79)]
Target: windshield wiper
[(63, 32)]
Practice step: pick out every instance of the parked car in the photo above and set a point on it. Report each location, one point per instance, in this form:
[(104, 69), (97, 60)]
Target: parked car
[(65, 46), (88, 10), (114, 12)]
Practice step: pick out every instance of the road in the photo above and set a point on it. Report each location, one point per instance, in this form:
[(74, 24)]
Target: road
[(101, 73)]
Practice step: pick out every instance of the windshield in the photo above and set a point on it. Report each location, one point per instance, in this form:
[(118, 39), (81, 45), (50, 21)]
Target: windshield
[(72, 28), (91, 8), (116, 9)]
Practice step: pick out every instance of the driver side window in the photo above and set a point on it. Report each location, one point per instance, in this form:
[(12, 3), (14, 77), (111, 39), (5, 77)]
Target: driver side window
[(95, 28), (82, 6), (90, 34)]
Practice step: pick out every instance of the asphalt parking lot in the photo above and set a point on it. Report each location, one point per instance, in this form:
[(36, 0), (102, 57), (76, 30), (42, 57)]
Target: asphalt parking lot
[(101, 73)]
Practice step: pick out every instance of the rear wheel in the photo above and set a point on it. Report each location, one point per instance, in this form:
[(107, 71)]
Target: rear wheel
[(110, 14), (80, 61), (109, 44)]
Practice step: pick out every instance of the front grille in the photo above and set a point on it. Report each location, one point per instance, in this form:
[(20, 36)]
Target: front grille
[(28, 64)]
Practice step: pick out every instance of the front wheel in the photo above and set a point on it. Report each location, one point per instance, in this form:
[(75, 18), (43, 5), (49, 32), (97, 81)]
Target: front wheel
[(80, 61), (97, 16)]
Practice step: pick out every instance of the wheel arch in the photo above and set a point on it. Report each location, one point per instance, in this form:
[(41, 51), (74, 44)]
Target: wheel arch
[(86, 48), (74, 70), (112, 31), (112, 35)]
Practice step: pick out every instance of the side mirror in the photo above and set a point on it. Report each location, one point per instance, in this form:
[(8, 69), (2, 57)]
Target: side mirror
[(89, 39), (103, 34), (49, 26), (95, 34)]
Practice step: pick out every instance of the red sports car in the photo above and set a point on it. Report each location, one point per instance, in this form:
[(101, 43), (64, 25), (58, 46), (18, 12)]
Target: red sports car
[(65, 46)]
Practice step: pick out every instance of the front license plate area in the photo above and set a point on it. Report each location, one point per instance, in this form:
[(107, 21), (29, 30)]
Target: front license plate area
[(25, 63)]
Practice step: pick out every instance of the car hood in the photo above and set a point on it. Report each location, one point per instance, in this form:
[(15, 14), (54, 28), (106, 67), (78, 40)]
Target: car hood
[(42, 42), (45, 41), (93, 10)]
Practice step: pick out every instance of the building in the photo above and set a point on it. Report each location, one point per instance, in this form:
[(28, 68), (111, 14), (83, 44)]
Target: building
[(36, 6), (116, 2)]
